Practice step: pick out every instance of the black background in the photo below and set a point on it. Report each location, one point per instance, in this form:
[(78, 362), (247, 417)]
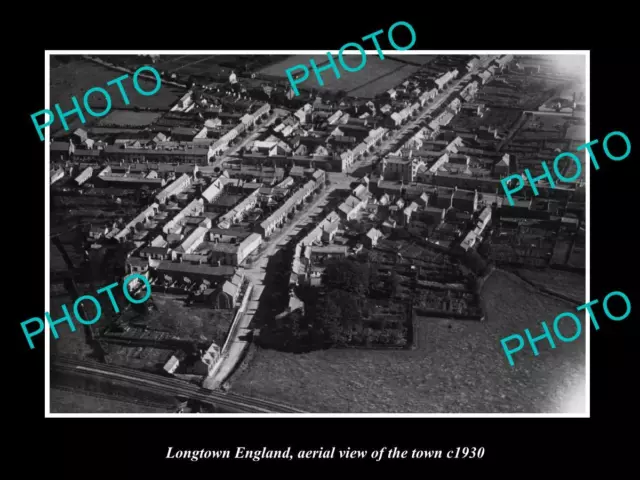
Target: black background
[(93, 448)]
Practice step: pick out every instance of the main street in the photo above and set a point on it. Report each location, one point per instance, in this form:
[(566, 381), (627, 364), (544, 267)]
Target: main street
[(257, 273)]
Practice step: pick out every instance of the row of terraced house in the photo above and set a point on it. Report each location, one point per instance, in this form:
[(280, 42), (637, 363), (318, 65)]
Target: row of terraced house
[(157, 150), (179, 238)]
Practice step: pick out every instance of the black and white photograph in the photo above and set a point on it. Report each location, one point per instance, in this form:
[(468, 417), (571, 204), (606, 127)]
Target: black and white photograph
[(286, 234)]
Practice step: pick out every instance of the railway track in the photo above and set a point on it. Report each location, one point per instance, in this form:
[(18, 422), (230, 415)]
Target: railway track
[(233, 403), (113, 397)]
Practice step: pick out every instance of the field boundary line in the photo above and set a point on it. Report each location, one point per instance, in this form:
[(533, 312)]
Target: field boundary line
[(378, 78)]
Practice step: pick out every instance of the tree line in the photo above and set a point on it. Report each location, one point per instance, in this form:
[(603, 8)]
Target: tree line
[(337, 313)]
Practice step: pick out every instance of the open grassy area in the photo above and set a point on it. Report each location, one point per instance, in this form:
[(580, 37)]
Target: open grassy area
[(278, 68), (420, 59), (566, 283), (214, 66), (459, 366), (125, 117), (376, 76), (198, 66), (383, 83), (77, 76), (173, 62)]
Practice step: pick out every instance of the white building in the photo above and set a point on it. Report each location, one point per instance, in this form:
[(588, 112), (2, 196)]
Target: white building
[(84, 176), (56, 175), (174, 188)]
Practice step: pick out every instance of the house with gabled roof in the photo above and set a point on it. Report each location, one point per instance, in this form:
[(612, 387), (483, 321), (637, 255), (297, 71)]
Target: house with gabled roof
[(229, 292), (80, 135), (371, 238)]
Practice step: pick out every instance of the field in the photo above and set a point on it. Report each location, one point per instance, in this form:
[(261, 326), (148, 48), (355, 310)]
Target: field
[(376, 76), (192, 64), (459, 366), (79, 75), (421, 59), (126, 118), (213, 66), (566, 283), (383, 83), (278, 69)]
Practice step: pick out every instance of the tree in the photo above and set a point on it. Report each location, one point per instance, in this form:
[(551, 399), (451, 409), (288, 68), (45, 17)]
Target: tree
[(334, 332), (327, 319), (350, 308), (347, 275), (398, 336), (356, 226), (317, 336), (374, 275), (395, 283), (475, 262), (326, 310), (294, 326)]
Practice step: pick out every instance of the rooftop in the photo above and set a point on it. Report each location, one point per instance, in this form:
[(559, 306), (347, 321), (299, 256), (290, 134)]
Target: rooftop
[(464, 194), (205, 270)]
